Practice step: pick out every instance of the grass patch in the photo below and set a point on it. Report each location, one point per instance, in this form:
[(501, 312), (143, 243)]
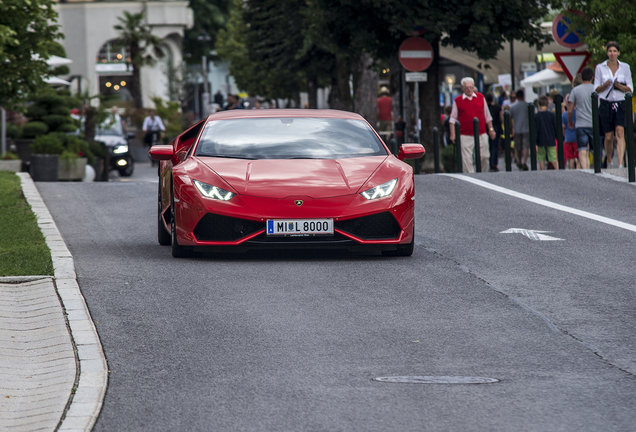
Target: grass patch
[(23, 251)]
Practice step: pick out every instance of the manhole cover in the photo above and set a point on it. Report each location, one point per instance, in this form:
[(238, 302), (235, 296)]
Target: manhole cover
[(437, 380)]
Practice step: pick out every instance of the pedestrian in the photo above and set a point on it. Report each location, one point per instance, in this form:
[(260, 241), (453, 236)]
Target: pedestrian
[(232, 103), (581, 100), (447, 112), (521, 130), (569, 143), (218, 98), (511, 100), (385, 110), (545, 122), (153, 128), (497, 114), (258, 103), (467, 106), (612, 80)]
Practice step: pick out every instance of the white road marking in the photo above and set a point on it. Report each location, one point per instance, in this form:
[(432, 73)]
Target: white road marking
[(531, 234), (545, 203)]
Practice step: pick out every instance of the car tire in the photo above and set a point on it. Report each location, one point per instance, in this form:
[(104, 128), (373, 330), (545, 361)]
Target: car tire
[(163, 236), (128, 170), (177, 251)]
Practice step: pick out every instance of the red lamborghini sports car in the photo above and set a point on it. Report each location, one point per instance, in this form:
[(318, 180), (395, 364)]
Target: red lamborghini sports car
[(246, 179)]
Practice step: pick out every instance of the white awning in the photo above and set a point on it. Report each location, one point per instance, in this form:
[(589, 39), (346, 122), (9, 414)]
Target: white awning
[(544, 78), (56, 81), (58, 61)]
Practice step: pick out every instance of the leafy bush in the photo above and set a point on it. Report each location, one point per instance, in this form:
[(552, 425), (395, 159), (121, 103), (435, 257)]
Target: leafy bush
[(97, 149), (34, 129), (67, 128), (61, 110), (13, 131), (68, 155), (47, 144), (448, 158), (10, 156)]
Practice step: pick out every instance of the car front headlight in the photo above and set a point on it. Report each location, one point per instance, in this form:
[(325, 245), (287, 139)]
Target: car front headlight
[(213, 192), (381, 191), (120, 149)]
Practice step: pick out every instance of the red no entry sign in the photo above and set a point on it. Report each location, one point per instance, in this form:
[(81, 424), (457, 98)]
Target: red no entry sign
[(415, 54)]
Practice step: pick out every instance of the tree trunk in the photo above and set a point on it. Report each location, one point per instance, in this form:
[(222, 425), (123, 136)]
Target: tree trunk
[(430, 110), (312, 92), (340, 94), (136, 79), (366, 90), (394, 85), (90, 123)]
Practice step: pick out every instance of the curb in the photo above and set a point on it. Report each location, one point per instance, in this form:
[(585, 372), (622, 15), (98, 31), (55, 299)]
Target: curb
[(86, 402)]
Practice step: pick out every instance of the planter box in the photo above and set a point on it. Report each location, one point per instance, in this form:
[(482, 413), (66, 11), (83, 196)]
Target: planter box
[(14, 165), (71, 169), (44, 167)]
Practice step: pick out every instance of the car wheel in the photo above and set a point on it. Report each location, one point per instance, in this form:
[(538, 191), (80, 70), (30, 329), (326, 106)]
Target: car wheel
[(163, 236), (128, 170), (177, 251)]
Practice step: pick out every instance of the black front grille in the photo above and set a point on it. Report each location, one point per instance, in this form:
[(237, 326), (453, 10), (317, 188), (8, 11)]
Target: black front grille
[(380, 226), (214, 227)]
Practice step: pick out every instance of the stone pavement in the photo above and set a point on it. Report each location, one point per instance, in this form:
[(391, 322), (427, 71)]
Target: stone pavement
[(53, 372)]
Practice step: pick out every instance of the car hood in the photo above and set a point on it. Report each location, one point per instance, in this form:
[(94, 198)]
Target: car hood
[(111, 140), (281, 178)]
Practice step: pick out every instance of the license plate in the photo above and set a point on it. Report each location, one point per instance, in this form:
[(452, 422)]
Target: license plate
[(299, 227)]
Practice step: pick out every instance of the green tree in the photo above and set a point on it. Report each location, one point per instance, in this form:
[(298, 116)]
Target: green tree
[(137, 37), (28, 30), (604, 21), (210, 16)]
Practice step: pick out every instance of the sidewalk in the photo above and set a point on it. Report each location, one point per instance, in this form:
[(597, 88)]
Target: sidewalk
[(53, 373)]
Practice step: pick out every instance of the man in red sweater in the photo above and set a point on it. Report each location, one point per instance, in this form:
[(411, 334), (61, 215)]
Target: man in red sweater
[(465, 108), (385, 110)]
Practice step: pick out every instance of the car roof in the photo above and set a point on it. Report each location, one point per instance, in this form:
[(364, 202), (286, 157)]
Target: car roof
[(278, 113)]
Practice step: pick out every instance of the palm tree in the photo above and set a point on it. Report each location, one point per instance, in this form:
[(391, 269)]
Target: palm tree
[(137, 37)]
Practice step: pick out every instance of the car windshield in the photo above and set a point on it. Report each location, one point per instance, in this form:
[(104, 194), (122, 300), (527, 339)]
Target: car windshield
[(111, 127), (289, 138)]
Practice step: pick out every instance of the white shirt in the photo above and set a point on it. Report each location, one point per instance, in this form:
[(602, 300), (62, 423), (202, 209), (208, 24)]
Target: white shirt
[(153, 125), (623, 75)]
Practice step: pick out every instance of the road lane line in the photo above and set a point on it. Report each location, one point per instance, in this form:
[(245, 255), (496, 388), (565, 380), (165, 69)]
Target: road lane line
[(545, 203)]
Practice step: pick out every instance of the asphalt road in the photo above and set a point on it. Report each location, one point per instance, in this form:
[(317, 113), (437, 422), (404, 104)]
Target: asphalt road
[(292, 341)]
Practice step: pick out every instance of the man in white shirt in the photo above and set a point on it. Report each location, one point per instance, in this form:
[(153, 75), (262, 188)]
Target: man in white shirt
[(152, 127), (612, 79)]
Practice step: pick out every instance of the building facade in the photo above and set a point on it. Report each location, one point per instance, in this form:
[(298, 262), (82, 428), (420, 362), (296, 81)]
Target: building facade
[(98, 68)]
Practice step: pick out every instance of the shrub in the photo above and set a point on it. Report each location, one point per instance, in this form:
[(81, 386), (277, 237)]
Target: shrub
[(67, 128), (97, 149), (60, 110), (68, 155), (54, 121), (448, 158), (13, 131), (34, 129), (10, 156), (46, 144)]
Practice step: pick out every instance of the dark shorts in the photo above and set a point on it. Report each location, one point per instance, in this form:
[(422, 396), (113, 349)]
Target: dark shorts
[(584, 138), (612, 114)]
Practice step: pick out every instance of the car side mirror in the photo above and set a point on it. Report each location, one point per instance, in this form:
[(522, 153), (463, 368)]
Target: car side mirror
[(161, 152), (411, 151)]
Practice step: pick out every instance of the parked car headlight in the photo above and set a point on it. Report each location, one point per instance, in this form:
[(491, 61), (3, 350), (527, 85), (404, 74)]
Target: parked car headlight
[(381, 191), (213, 192), (120, 149)]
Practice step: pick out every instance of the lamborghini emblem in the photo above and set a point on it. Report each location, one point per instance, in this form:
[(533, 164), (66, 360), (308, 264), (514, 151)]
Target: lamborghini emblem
[(298, 202)]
